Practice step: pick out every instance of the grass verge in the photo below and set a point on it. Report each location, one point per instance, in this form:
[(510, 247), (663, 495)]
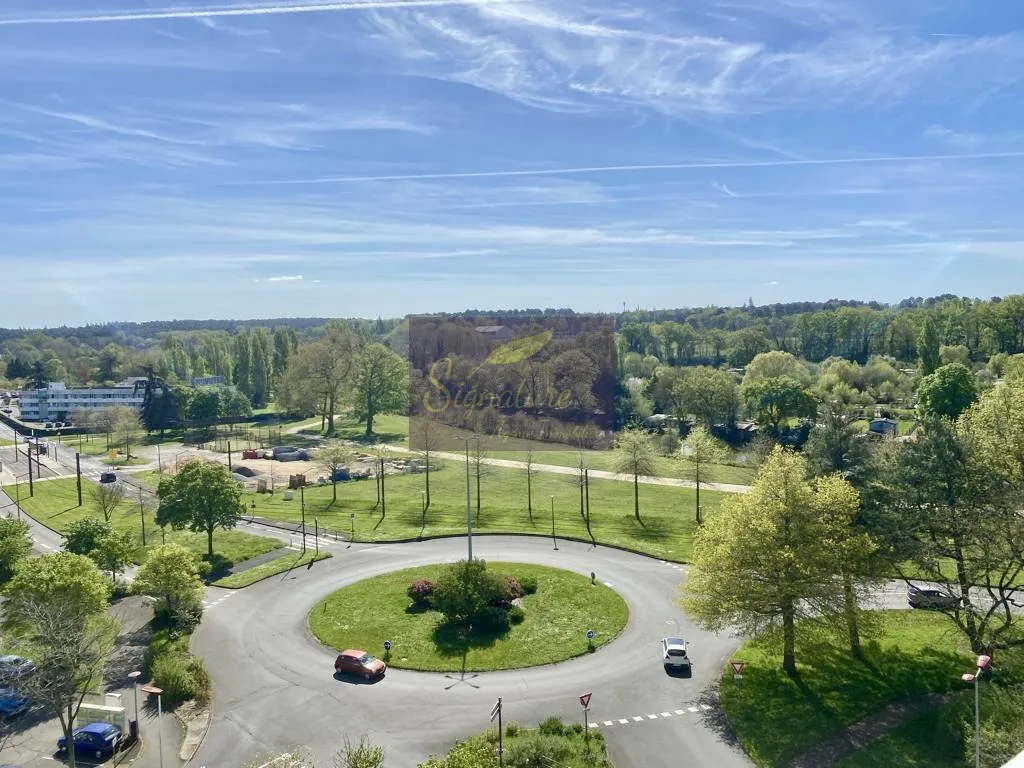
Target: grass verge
[(553, 743), (55, 504), (778, 718), (564, 607), (286, 562), (665, 530)]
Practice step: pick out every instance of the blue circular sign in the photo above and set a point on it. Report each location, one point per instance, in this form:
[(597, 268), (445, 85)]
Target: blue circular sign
[(387, 645), (590, 634)]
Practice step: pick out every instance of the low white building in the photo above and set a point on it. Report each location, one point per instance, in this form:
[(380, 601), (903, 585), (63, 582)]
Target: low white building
[(56, 401)]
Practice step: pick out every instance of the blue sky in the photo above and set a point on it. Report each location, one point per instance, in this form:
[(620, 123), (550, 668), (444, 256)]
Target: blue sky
[(384, 158)]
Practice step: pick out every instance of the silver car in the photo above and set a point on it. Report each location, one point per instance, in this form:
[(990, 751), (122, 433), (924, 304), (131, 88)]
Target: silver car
[(674, 655)]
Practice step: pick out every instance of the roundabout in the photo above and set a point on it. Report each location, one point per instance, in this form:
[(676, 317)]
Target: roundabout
[(555, 619), (274, 688)]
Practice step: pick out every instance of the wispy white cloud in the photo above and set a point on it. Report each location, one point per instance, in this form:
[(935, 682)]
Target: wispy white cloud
[(251, 9), (284, 279), (562, 56), (583, 170)]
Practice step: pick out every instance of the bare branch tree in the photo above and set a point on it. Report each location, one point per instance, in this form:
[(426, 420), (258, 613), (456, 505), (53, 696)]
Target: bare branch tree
[(478, 458), (70, 656), (107, 497)]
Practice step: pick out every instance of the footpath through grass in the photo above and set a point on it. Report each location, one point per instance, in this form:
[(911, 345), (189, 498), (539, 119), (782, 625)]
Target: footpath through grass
[(286, 562), (778, 718), (558, 616), (665, 528), (55, 504)]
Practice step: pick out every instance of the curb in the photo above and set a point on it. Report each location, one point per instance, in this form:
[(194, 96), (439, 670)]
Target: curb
[(412, 539), (327, 556)]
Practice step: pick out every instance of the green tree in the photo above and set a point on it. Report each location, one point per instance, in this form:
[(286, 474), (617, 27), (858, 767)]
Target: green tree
[(114, 552), (126, 427), (202, 497), (262, 366), (15, 546), (84, 534), (54, 609), (282, 350), (772, 365), (172, 575), (928, 345), (996, 422), (242, 353), (949, 391), (765, 558), (204, 406), (233, 406), (836, 445), (709, 394), (773, 400), (110, 359), (380, 384), (465, 590), (636, 458), (702, 452), (946, 508), (318, 372)]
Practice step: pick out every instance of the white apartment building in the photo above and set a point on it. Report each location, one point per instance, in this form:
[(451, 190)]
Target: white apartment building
[(56, 401)]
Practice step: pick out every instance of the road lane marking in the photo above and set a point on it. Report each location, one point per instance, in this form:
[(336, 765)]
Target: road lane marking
[(666, 714), (705, 707), (692, 709), (652, 717), (623, 721), (637, 719), (679, 711), (608, 722), (594, 725)]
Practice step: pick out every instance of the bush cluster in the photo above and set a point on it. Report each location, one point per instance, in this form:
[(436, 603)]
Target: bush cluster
[(516, 615), (512, 589), (183, 618), (420, 591), (529, 584), (181, 675)]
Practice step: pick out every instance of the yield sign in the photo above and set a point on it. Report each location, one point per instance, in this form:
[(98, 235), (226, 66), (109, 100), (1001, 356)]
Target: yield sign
[(737, 666), (585, 700)]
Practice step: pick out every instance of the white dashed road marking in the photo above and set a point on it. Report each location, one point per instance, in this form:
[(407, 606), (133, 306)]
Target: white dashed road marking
[(642, 718)]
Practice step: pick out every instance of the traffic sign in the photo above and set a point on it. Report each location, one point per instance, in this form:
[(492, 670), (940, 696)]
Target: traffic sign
[(737, 668), (585, 700), (387, 645), (496, 709), (590, 634)]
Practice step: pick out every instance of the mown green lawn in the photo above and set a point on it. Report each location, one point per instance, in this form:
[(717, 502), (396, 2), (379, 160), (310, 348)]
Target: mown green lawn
[(564, 607), (55, 504), (933, 739), (665, 529), (777, 718), (286, 562)]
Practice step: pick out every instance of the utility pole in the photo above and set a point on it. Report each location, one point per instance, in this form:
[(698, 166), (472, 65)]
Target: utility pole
[(142, 514), (229, 455), (469, 514), (302, 497), (31, 492), (586, 484), (78, 476)]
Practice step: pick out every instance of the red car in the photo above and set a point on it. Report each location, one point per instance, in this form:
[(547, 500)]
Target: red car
[(360, 663)]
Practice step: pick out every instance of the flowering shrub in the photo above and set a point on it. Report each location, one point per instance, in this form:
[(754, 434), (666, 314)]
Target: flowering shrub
[(511, 589), (420, 590)]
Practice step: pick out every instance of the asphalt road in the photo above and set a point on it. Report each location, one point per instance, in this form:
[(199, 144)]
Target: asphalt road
[(274, 687)]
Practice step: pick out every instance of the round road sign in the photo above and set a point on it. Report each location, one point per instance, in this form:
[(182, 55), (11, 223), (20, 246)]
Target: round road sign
[(590, 634), (387, 645)]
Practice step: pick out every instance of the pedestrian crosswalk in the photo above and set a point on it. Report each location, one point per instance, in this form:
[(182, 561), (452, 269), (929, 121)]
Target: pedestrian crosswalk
[(693, 709)]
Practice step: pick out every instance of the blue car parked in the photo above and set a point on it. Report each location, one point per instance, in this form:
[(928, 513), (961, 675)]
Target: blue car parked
[(12, 703), (98, 740)]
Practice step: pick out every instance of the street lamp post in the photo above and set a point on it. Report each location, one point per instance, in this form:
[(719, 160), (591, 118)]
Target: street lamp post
[(135, 687), (469, 516), (159, 717), (983, 664)]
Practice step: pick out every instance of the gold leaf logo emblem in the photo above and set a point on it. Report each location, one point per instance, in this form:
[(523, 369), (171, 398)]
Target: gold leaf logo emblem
[(517, 350)]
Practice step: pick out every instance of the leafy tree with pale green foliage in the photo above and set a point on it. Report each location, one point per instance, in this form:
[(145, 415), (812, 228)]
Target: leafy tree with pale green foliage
[(767, 557), (113, 552), (772, 365), (948, 392), (709, 394), (701, 452), (928, 345), (836, 445), (83, 534), (15, 545), (359, 755), (996, 421), (772, 400), (171, 574), (332, 458), (55, 610), (107, 497), (202, 497), (380, 384), (636, 458)]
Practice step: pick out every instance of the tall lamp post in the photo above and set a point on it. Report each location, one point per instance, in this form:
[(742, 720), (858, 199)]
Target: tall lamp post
[(159, 717), (135, 687), (469, 515), (983, 664), (553, 539)]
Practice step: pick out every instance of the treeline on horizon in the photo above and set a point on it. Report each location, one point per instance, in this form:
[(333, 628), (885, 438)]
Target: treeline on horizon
[(716, 336)]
